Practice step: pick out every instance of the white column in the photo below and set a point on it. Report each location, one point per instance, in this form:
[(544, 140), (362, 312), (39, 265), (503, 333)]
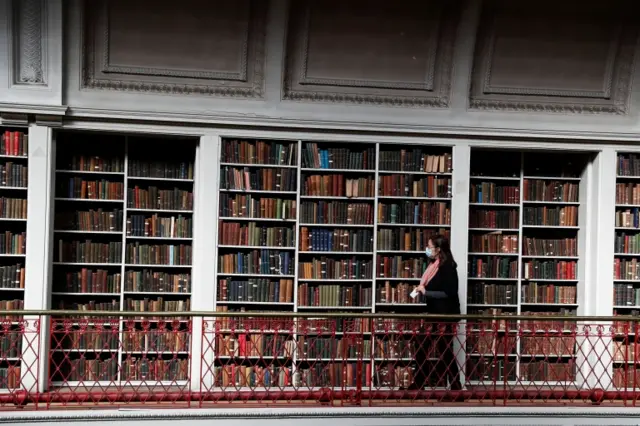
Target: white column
[(38, 256), (599, 273), (460, 236), (205, 238)]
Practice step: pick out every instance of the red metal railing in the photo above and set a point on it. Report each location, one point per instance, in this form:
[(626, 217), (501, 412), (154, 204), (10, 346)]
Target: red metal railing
[(201, 360)]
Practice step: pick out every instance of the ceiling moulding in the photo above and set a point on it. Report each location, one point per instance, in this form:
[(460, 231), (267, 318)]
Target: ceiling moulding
[(337, 52), (543, 57), (223, 58)]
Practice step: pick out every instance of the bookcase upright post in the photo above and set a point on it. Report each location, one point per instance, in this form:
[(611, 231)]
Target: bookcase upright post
[(205, 243), (34, 357), (460, 240), (597, 287), (601, 285), (586, 359)]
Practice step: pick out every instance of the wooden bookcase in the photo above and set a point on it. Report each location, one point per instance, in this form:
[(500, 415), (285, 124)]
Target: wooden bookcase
[(525, 245), (123, 241), (626, 274), (14, 159), (354, 223)]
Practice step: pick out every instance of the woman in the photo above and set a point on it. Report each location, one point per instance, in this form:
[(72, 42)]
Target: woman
[(439, 286)]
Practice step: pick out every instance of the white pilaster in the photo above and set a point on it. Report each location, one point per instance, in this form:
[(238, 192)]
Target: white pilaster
[(460, 216), (459, 236), (203, 283), (600, 267), (38, 259)]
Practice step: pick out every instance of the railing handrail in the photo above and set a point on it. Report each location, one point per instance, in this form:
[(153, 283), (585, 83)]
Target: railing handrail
[(313, 315)]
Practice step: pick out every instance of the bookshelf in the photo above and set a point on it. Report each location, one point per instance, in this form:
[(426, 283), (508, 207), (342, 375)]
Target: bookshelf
[(14, 163), (524, 253), (414, 202), (123, 237), (257, 243), (336, 258), (351, 226), (626, 275)]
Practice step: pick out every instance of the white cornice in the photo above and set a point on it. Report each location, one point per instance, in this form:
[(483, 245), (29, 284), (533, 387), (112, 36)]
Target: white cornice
[(254, 120), (33, 109), (117, 118)]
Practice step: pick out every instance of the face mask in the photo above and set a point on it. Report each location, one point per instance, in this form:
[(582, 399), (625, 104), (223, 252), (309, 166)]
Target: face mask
[(428, 252)]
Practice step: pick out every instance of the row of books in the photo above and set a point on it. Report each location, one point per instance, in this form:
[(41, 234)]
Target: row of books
[(253, 234), (161, 169), (494, 219), (494, 193), (13, 208), (317, 157), (259, 152), (269, 262), (132, 305), (412, 212), (336, 212), (488, 370), (97, 220), (325, 268), (13, 243), (336, 185), (12, 276), (255, 290), (137, 168), (132, 369), (268, 179), (135, 253), (159, 199), (79, 188), (335, 295), (494, 243), (399, 185), (250, 206), (14, 175), (406, 239), (532, 292), (415, 160), (337, 240), (13, 143), (626, 243), (159, 227), (103, 281)]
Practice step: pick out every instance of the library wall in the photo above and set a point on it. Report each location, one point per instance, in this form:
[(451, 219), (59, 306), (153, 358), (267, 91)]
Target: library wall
[(533, 240), (321, 225), (438, 66)]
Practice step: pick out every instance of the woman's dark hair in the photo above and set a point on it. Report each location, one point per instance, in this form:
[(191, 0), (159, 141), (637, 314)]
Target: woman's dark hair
[(445, 255)]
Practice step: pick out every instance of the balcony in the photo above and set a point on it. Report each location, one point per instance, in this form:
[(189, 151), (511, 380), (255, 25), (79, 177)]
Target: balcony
[(59, 360)]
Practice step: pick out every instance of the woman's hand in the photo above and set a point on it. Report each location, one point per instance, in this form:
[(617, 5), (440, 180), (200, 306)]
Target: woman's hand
[(421, 289)]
